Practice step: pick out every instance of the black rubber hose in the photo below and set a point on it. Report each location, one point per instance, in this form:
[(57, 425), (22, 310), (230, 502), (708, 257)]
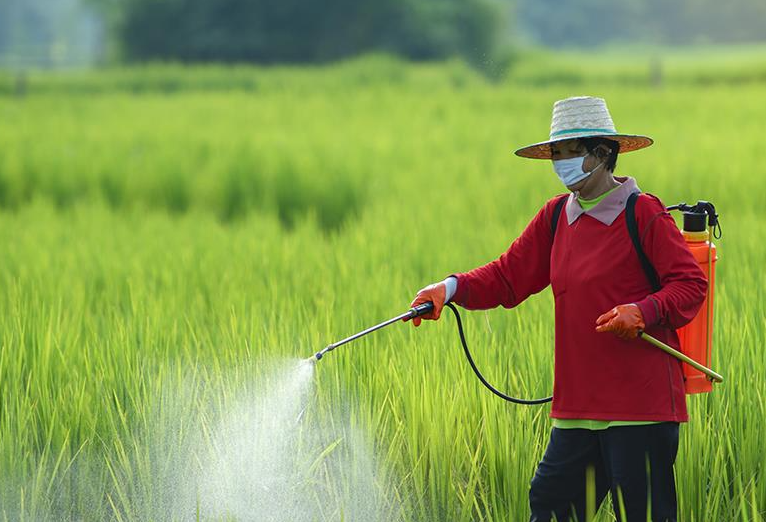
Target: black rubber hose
[(478, 373)]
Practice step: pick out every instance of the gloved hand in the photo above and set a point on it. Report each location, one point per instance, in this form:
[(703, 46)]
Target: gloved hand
[(625, 321), (437, 294)]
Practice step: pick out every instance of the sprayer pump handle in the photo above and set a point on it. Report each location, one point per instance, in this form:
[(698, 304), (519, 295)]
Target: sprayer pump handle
[(417, 311)]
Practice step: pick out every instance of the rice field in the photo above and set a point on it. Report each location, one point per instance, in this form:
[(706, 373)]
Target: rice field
[(170, 235)]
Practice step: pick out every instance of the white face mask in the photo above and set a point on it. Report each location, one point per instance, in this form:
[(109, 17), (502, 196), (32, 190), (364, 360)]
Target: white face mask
[(570, 171)]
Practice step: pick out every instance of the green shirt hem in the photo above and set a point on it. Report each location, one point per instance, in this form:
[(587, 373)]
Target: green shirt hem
[(590, 424)]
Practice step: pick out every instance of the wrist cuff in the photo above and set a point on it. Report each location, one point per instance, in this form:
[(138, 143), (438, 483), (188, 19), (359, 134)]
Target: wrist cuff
[(451, 287), (649, 310)]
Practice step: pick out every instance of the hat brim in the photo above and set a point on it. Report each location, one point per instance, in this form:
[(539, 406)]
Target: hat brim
[(628, 143)]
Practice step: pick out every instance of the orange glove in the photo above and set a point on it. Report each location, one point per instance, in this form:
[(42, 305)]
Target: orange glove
[(436, 293), (624, 320)]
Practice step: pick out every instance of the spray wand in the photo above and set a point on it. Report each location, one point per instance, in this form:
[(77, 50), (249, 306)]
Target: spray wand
[(425, 308), (417, 311)]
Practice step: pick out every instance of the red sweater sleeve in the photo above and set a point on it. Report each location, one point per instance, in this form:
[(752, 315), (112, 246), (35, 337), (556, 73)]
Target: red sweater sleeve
[(683, 282), (523, 270)]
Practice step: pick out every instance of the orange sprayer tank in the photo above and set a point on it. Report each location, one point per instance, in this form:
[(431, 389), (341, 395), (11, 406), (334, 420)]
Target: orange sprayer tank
[(697, 337)]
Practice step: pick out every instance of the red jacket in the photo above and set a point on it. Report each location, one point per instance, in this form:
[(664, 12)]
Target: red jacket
[(592, 267)]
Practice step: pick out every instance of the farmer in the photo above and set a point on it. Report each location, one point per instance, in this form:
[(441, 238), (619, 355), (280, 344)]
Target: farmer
[(617, 401)]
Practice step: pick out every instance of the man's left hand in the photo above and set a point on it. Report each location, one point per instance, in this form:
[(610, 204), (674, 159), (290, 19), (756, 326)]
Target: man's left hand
[(625, 321)]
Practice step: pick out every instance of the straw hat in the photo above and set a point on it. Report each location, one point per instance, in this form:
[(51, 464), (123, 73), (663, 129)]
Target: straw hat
[(582, 117)]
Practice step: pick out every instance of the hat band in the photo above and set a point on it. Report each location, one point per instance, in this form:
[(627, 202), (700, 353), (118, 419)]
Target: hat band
[(573, 131)]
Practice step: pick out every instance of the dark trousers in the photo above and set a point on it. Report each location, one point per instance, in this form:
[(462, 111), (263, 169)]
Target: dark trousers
[(637, 460)]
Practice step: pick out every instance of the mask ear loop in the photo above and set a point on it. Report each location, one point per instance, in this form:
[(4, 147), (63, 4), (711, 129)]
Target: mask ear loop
[(594, 168), (608, 154)]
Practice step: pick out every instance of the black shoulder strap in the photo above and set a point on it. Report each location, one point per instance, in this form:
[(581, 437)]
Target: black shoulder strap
[(556, 214), (630, 220)]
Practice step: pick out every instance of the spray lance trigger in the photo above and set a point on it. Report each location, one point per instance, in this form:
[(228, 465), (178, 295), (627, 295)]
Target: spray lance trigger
[(422, 309)]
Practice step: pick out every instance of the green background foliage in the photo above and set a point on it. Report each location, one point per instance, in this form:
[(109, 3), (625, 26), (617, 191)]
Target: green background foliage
[(168, 233)]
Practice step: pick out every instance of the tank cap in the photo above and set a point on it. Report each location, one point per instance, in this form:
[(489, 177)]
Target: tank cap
[(694, 222)]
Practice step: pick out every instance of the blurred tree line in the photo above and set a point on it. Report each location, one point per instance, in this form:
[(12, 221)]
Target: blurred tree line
[(61, 32), (677, 22), (270, 31)]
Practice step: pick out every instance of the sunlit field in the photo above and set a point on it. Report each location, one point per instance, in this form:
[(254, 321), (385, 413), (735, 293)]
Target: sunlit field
[(171, 236)]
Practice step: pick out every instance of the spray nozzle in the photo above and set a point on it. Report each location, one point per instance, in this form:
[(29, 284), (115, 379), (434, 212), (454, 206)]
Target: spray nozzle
[(317, 356)]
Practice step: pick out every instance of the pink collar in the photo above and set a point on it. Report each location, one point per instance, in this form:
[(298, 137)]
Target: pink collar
[(608, 208)]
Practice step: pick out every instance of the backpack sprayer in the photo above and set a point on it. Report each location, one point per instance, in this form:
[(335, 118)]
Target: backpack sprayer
[(700, 223), (700, 226)]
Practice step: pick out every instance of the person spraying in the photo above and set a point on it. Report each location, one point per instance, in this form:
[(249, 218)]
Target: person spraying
[(617, 402)]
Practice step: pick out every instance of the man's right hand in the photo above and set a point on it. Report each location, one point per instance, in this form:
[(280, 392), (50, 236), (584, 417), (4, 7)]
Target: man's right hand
[(435, 293)]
